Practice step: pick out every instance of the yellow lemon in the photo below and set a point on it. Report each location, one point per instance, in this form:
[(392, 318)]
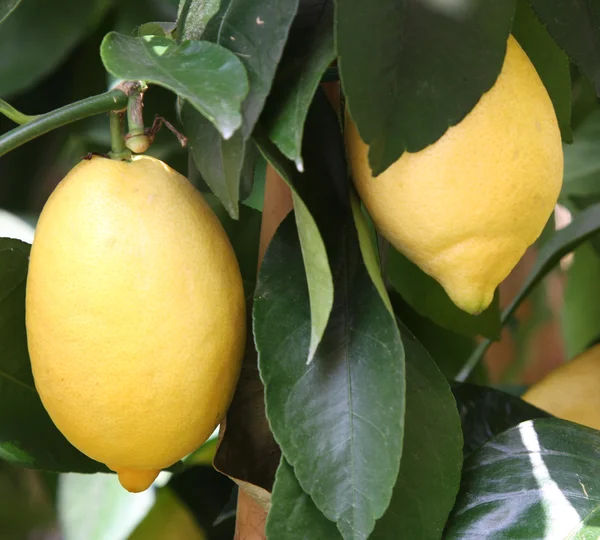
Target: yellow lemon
[(571, 391), (135, 315), (465, 208)]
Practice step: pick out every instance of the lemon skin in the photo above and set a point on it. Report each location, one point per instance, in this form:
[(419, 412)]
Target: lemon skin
[(465, 208), (571, 392), (135, 315)]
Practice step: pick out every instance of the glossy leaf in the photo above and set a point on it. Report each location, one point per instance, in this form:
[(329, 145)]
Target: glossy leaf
[(210, 77), (428, 298), (7, 7), (575, 26), (39, 37), (308, 53), (540, 479), (256, 33), (193, 17), (219, 161), (431, 463), (551, 63), (486, 412), (429, 474), (96, 507), (580, 310), (339, 419), (27, 435), (411, 69)]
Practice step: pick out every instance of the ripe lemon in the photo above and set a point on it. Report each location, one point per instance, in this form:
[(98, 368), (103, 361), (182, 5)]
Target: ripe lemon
[(135, 315), (465, 208), (571, 391)]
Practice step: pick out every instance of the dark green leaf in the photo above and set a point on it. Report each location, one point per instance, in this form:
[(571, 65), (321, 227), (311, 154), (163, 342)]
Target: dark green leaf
[(580, 310), (244, 236), (306, 57), (486, 412), (194, 16), (293, 514), (429, 471), (575, 25), (7, 7), (411, 69), (540, 479), (27, 435), (249, 167), (160, 29), (447, 348), (551, 63), (432, 455), (256, 32), (210, 77), (428, 298), (39, 37), (318, 272), (339, 419), (218, 160)]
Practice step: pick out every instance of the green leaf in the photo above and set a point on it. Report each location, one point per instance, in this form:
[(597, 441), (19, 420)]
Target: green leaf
[(7, 7), (305, 59), (256, 33), (40, 36), (96, 507), (193, 17), (339, 419), (431, 463), (583, 226), (551, 63), (448, 349), (219, 160), (540, 479), (244, 235), (486, 412), (27, 435), (428, 298), (429, 474), (318, 272), (210, 77), (575, 26), (582, 162), (411, 69), (580, 309), (293, 514)]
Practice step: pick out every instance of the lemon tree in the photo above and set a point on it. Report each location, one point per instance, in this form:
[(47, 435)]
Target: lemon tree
[(255, 256)]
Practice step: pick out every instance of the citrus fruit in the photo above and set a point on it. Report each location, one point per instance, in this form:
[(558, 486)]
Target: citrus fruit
[(571, 392), (465, 208), (135, 315)]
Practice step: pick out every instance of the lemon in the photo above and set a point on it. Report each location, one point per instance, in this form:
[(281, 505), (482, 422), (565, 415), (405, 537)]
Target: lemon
[(135, 315), (571, 392), (465, 208)]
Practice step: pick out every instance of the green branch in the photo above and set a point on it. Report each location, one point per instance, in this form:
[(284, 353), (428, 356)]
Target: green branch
[(113, 100), (16, 116)]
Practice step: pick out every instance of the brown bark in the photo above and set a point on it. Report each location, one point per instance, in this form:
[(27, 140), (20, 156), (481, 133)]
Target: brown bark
[(251, 518)]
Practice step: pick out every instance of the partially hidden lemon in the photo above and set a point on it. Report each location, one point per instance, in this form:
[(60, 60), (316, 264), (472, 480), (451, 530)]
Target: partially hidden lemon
[(465, 208), (571, 392), (135, 315)]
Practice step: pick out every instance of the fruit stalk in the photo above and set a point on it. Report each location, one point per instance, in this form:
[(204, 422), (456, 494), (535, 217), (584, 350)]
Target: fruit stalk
[(117, 139)]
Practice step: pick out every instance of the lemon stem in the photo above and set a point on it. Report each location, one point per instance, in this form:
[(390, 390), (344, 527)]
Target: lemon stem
[(117, 140), (102, 103)]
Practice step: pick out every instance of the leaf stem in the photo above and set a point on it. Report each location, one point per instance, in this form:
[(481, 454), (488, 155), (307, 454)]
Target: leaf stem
[(112, 100), (16, 116)]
